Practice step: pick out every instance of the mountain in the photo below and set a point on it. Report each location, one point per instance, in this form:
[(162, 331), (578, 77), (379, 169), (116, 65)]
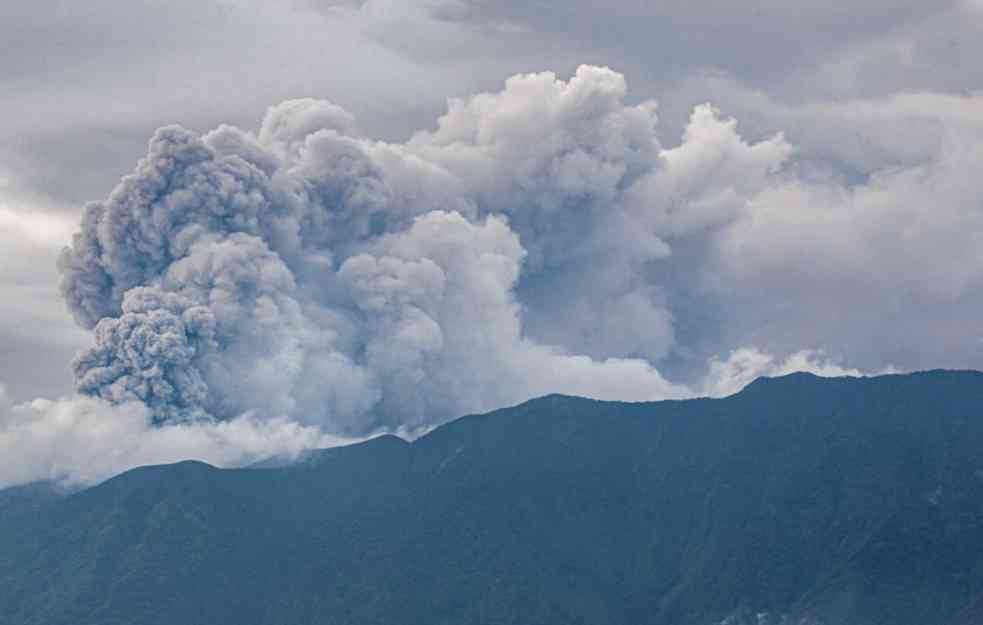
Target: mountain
[(20, 501), (799, 500)]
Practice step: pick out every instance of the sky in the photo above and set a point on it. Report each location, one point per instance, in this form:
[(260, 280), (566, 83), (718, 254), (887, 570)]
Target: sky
[(311, 219)]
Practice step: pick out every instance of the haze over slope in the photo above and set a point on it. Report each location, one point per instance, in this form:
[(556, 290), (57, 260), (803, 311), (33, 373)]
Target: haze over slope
[(840, 501)]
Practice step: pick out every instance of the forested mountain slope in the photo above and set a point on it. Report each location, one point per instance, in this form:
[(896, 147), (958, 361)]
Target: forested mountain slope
[(842, 501)]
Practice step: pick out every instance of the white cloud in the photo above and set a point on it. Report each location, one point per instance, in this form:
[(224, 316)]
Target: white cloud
[(79, 441), (37, 336), (35, 227), (744, 365)]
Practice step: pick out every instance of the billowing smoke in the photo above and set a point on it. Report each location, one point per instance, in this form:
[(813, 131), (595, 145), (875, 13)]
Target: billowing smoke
[(744, 365), (311, 272), (539, 239)]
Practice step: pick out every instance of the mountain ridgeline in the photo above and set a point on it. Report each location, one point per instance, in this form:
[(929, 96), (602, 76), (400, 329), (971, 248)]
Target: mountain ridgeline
[(799, 500)]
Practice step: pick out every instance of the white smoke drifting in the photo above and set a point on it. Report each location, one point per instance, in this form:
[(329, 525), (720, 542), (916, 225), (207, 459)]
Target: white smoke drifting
[(82, 440), (743, 366)]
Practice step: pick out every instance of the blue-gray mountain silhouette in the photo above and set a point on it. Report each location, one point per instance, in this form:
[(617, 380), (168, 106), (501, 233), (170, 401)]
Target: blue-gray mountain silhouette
[(840, 501)]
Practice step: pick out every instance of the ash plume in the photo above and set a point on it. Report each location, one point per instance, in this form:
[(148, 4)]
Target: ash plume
[(538, 239), (308, 271)]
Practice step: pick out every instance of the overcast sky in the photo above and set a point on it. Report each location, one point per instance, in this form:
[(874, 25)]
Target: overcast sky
[(858, 234)]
